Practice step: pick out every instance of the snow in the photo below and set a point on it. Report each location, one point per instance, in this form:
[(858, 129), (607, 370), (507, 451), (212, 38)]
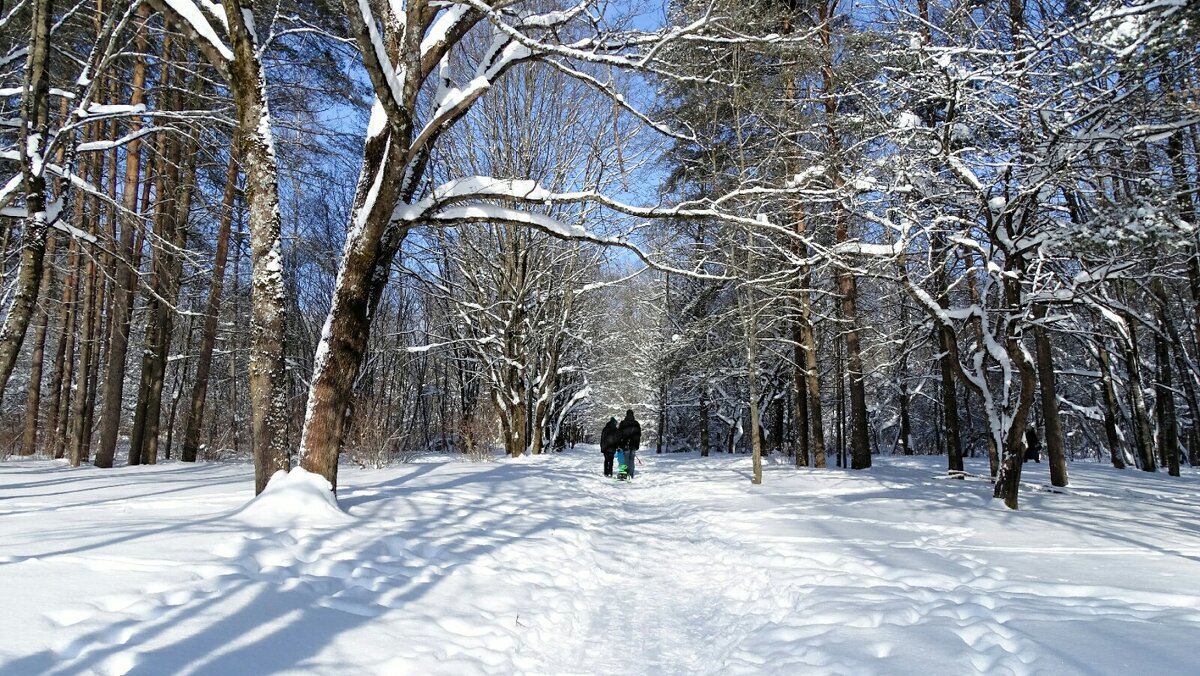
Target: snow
[(17, 91), (112, 109), (295, 498), (473, 187), (805, 177), (908, 120), (446, 20), (394, 80), (378, 120), (449, 98), (192, 14), (866, 249), (495, 213), (445, 567)]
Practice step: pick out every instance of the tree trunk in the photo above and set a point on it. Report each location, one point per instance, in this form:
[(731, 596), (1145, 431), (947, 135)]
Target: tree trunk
[(973, 291), (268, 374), (1164, 394), (1056, 457), (169, 283), (776, 445), (840, 405), (80, 431), (165, 162), (64, 352), (35, 116), (704, 422), (1186, 377), (365, 265), (812, 374), (946, 342), (1008, 482), (171, 218), (1111, 409), (1144, 440), (860, 456), (800, 421), (905, 421), (124, 282), (752, 378), (37, 359), (194, 417)]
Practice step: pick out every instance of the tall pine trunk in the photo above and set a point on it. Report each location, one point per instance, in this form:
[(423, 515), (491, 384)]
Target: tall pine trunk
[(124, 277), (64, 351), (194, 415), (860, 452)]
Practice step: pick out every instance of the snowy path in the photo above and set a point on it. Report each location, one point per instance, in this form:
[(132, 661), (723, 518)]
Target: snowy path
[(541, 566)]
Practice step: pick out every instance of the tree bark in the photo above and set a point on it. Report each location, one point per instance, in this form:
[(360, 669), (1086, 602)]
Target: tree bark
[(169, 283), (79, 437), (1141, 419), (1056, 456), (366, 262), (800, 419), (1111, 408), (750, 323), (1164, 394), (124, 282), (37, 358), (171, 218), (946, 342), (860, 455), (755, 418), (1008, 482), (35, 116), (64, 351), (194, 417), (268, 374)]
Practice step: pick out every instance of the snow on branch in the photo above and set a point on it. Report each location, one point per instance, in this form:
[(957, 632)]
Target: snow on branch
[(438, 33), (492, 213), (97, 146), (383, 73), (619, 50), (195, 19)]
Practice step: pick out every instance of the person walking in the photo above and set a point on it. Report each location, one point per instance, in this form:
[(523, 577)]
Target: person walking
[(1033, 447), (630, 440), (610, 441)]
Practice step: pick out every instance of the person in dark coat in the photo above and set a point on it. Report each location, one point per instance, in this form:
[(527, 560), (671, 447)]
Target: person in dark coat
[(1033, 447), (631, 439), (610, 441)]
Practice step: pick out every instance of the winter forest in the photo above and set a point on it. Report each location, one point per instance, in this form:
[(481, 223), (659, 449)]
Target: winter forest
[(821, 250)]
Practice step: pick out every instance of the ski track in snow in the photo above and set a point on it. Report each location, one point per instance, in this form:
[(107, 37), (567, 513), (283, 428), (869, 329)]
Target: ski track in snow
[(542, 566)]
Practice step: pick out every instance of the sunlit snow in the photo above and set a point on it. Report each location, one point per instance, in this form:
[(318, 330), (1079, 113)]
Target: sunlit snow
[(542, 566)]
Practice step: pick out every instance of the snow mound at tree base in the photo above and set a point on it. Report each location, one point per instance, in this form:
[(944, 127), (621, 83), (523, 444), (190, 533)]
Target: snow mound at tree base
[(295, 498)]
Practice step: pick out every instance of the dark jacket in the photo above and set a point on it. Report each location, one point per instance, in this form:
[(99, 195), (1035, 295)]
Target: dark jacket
[(610, 438), (631, 432), (1033, 447)]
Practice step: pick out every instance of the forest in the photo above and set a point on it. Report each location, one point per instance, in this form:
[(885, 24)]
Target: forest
[(314, 234)]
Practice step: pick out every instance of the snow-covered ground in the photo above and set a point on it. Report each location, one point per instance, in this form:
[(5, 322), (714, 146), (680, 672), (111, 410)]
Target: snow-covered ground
[(542, 566)]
